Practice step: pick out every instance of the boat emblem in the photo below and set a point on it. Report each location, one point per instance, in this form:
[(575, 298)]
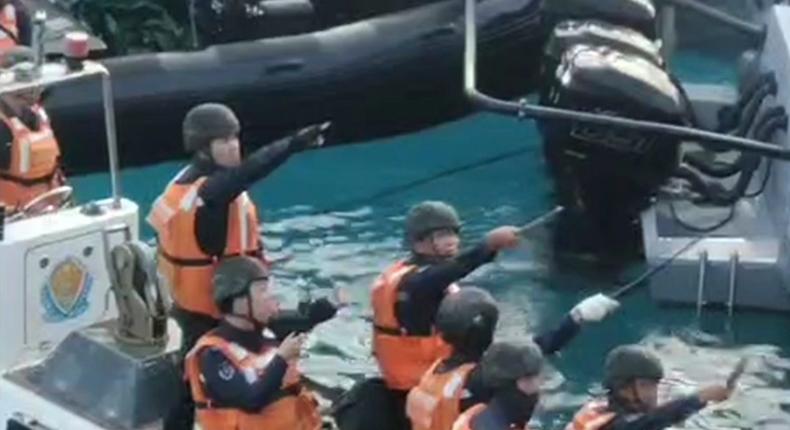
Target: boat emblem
[(65, 295)]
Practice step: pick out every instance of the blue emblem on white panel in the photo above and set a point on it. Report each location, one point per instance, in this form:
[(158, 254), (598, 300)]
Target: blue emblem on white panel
[(65, 294)]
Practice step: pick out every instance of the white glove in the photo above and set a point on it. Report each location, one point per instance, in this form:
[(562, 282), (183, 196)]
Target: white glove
[(593, 308)]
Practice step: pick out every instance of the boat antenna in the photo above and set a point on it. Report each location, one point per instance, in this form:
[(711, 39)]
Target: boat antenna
[(39, 27)]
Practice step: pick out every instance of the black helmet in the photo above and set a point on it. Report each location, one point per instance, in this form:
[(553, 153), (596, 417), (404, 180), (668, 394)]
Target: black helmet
[(504, 363), (429, 216), (206, 122), (469, 315), (234, 276), (629, 362)]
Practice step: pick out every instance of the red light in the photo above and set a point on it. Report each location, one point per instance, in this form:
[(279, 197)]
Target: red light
[(76, 45)]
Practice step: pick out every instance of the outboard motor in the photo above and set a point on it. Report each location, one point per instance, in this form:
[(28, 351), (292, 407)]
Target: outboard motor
[(141, 300), (597, 33), (606, 175), (639, 15)]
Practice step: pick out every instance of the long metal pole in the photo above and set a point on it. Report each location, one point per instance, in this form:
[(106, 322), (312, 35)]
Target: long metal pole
[(470, 47), (112, 143)]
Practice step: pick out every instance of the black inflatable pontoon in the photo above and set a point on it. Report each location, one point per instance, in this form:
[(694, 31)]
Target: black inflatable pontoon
[(391, 74)]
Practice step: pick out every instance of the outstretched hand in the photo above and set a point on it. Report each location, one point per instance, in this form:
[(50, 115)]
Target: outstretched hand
[(311, 136), (715, 393), (504, 237)]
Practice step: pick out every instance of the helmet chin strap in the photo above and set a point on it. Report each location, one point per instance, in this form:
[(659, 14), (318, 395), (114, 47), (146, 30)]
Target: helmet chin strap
[(203, 156), (249, 316)]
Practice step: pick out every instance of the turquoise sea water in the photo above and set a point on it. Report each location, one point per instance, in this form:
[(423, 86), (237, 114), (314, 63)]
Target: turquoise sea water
[(350, 246)]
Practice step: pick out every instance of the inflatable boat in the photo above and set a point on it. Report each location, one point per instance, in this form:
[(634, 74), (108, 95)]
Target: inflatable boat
[(394, 73)]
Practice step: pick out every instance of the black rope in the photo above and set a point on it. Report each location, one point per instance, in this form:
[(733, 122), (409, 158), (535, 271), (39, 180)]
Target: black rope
[(766, 176), (652, 271), (620, 291), (647, 274), (420, 182)]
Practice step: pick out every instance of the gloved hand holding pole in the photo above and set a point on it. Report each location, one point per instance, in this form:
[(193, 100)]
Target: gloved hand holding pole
[(509, 237), (594, 308)]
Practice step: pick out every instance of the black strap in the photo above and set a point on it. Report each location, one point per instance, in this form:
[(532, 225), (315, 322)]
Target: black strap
[(31, 181), (389, 331), (201, 262), (11, 35), (291, 390)]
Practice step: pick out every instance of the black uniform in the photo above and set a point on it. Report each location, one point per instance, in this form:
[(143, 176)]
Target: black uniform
[(303, 320), (422, 291), (549, 343), (664, 416), (231, 388)]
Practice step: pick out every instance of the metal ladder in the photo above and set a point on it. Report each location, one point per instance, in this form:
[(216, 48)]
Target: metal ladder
[(703, 263)]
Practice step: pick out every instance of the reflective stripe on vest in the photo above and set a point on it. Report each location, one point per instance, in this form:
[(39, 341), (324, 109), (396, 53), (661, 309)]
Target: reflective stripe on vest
[(435, 403), (184, 265), (402, 358), (593, 416), (294, 407), (35, 155)]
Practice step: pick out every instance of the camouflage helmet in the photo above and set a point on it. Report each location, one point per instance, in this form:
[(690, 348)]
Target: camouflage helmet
[(429, 216), (233, 277), (626, 363), (468, 313), (504, 363), (206, 122)]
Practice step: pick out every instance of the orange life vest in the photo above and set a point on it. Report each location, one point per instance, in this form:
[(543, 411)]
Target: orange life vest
[(402, 358), (435, 403), (35, 157), (8, 22), (296, 408), (464, 421), (593, 416), (188, 270)]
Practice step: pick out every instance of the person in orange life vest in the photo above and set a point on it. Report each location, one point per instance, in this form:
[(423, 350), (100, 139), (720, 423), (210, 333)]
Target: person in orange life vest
[(631, 377), (29, 151), (406, 296), (205, 215), (512, 371), (467, 321), (241, 375)]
